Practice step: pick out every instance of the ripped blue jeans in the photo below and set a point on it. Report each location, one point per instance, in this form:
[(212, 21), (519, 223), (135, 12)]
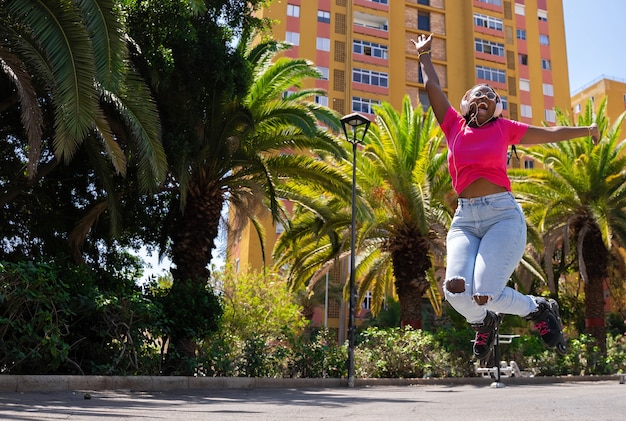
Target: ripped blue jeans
[(485, 244)]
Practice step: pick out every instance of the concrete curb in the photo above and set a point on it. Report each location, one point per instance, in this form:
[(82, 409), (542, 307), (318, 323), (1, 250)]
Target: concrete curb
[(36, 383)]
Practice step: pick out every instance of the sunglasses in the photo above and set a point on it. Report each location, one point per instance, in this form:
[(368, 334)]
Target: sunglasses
[(479, 94)]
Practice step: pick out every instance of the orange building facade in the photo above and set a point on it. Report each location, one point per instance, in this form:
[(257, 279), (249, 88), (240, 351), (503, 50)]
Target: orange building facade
[(604, 87)]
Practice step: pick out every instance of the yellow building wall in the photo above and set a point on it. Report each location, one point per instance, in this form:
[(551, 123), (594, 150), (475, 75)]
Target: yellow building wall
[(605, 87)]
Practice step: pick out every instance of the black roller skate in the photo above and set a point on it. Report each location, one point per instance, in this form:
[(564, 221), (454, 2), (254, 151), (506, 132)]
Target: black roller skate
[(548, 322), (486, 333)]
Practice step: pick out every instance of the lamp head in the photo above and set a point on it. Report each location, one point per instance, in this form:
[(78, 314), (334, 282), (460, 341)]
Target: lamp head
[(355, 120)]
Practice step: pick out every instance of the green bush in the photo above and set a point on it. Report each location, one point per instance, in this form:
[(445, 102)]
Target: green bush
[(401, 353), (65, 319), (55, 319), (319, 357), (35, 316)]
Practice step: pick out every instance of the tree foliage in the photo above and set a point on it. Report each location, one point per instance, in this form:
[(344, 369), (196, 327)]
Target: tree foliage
[(402, 212), (577, 203)]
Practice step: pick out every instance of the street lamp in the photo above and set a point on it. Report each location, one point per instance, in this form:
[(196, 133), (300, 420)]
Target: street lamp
[(354, 120)]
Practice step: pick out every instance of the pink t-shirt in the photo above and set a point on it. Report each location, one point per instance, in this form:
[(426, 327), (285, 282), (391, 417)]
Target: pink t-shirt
[(475, 152)]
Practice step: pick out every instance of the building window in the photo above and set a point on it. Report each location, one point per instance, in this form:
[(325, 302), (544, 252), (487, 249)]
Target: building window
[(577, 106), (542, 15), (367, 301), (322, 44), (527, 111), (321, 100), (488, 22), (323, 16), (505, 102), (548, 89), (521, 34), (488, 73), (520, 9), (371, 21), (546, 64), (292, 38), (523, 59), (280, 228), (489, 47), (324, 72), (363, 105), (370, 77), (380, 1), (423, 21), (544, 39), (494, 2), (524, 85), (369, 49), (550, 116), (529, 164), (293, 10)]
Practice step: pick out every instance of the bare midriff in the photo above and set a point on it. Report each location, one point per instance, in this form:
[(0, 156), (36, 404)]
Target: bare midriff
[(481, 187)]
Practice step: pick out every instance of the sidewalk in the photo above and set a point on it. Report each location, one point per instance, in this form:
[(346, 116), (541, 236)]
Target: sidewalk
[(549, 398)]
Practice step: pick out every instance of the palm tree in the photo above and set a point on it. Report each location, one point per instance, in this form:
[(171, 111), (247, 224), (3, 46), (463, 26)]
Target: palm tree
[(579, 199), (230, 141), (247, 148), (73, 55), (68, 64), (403, 212)]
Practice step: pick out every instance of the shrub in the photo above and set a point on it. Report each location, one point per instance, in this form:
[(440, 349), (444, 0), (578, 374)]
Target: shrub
[(34, 319), (400, 353), (55, 319)]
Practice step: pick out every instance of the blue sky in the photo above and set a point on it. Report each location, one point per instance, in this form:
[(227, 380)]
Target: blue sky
[(595, 32)]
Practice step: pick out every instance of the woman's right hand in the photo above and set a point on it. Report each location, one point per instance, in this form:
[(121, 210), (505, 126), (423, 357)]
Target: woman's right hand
[(423, 43)]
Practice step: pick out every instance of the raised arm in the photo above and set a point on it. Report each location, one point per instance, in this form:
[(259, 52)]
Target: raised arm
[(535, 135), (438, 100)]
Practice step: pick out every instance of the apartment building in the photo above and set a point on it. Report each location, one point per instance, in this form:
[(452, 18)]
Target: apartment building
[(364, 52), (613, 89)]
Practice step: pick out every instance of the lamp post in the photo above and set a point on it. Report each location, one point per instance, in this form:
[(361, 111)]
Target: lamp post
[(354, 120)]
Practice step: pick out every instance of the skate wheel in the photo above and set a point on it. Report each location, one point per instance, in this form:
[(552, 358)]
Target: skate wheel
[(561, 349)]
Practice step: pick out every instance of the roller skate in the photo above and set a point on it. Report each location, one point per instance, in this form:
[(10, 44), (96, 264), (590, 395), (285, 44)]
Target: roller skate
[(548, 322), (486, 333)]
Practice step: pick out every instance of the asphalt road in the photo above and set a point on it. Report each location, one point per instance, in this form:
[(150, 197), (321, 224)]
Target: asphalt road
[(602, 400)]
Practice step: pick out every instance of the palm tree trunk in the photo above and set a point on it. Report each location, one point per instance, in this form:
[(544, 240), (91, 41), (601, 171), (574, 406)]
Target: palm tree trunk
[(193, 236), (410, 306), (594, 311), (194, 232), (410, 267), (596, 259)]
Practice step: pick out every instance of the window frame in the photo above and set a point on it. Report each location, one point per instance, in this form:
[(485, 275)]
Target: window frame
[(370, 77), (482, 45), (360, 47), (293, 10), (494, 75), (291, 34), (322, 44), (488, 22), (524, 85), (323, 16), (365, 104), (526, 111)]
